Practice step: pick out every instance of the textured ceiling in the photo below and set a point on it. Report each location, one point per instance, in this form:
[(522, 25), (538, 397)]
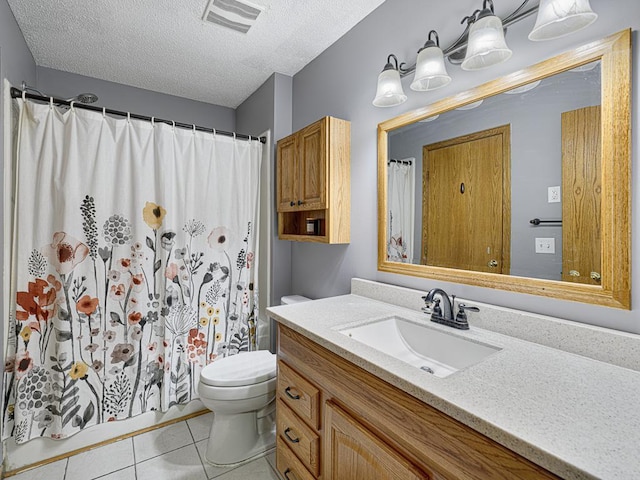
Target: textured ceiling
[(165, 46)]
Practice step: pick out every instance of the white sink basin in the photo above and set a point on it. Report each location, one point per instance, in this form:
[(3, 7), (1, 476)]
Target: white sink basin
[(420, 345)]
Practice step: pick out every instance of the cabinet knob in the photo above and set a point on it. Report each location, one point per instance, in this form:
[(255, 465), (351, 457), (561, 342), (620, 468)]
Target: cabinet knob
[(300, 202), (492, 263), (595, 276), (291, 204)]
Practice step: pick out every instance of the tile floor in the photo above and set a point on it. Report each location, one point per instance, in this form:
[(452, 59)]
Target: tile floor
[(175, 452)]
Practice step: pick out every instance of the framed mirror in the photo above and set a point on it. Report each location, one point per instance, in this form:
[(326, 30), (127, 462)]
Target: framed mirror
[(520, 184)]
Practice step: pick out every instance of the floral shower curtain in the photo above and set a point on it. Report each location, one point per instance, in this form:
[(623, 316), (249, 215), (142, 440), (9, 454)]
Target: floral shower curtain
[(401, 198), (134, 265)]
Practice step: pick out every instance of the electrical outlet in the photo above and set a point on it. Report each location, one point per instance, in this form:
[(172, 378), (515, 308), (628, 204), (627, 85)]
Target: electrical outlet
[(546, 245), (553, 194)]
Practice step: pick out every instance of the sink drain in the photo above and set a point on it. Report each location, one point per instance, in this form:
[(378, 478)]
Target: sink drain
[(427, 369)]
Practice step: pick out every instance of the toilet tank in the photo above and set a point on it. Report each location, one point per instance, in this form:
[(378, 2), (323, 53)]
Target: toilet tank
[(291, 299), (286, 300)]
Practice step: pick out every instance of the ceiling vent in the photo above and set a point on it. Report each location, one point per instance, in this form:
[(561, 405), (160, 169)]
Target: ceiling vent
[(234, 14)]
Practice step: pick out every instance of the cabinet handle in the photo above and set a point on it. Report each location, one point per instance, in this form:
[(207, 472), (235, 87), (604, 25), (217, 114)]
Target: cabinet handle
[(286, 474), (292, 203), (292, 440), (300, 202), (291, 395)]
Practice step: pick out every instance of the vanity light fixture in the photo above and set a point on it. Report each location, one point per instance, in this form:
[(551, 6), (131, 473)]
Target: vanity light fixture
[(557, 18), (481, 45), (486, 45), (430, 70), (389, 92)]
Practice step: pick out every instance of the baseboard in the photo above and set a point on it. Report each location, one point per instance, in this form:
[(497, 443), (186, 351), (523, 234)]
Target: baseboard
[(16, 471)]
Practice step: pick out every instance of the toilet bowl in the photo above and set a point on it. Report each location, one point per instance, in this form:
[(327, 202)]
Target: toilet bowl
[(240, 390)]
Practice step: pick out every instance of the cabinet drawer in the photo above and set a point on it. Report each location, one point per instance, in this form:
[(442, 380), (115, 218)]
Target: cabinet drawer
[(301, 439), (299, 395), (288, 464)]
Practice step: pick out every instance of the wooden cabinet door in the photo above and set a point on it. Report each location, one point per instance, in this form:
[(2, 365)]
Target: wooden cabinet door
[(287, 174), (466, 200), (354, 453), (312, 149), (581, 196)]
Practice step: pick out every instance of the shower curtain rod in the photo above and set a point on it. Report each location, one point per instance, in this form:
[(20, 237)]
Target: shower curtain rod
[(17, 93)]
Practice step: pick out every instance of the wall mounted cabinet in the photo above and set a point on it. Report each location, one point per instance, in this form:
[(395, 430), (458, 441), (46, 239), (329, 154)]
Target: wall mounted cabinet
[(314, 183)]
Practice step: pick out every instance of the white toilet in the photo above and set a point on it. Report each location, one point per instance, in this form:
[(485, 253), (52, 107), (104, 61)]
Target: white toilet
[(241, 391)]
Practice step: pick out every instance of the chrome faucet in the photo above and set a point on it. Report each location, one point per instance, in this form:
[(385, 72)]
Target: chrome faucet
[(444, 314)]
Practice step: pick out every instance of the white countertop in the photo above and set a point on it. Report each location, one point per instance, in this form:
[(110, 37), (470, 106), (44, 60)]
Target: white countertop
[(575, 416)]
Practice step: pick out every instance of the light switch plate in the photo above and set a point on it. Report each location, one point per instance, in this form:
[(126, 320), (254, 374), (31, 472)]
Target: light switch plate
[(553, 194), (546, 245)]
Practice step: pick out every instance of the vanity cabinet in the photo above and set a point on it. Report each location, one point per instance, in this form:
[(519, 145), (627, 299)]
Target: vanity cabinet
[(313, 183), (367, 428)]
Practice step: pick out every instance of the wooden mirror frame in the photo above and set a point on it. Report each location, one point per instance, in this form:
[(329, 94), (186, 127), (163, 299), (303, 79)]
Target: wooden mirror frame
[(614, 52)]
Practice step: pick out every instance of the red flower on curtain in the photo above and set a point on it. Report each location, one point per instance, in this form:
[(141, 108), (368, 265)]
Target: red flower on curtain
[(39, 300), (65, 252), (197, 344), (87, 304)]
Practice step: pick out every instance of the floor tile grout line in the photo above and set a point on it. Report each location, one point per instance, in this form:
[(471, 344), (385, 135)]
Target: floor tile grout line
[(190, 432), (135, 461), (115, 471), (168, 451), (164, 453)]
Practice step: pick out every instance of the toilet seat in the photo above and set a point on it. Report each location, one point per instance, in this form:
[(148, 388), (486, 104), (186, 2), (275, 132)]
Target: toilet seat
[(239, 393), (241, 370)]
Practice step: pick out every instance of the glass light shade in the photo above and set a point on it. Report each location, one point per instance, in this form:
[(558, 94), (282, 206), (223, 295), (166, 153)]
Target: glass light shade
[(389, 92), (430, 70), (486, 46), (557, 18)]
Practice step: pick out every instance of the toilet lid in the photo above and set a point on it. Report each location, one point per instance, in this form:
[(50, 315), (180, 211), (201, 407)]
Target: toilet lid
[(245, 368)]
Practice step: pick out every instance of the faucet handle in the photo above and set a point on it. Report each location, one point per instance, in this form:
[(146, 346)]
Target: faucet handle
[(437, 311), (464, 308), (427, 305), (461, 317)]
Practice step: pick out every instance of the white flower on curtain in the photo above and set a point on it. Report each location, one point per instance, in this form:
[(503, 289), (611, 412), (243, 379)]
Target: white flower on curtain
[(126, 284)]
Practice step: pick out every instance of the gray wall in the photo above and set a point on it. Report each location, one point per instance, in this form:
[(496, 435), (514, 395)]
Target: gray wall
[(341, 82), (135, 100), (16, 64), (269, 108), (536, 158)]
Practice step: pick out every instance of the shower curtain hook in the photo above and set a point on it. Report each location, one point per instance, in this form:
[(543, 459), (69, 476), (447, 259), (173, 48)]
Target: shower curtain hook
[(51, 103), (71, 105), (24, 95), (214, 133), (104, 112), (129, 117), (153, 122), (173, 125), (234, 136), (194, 128)]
